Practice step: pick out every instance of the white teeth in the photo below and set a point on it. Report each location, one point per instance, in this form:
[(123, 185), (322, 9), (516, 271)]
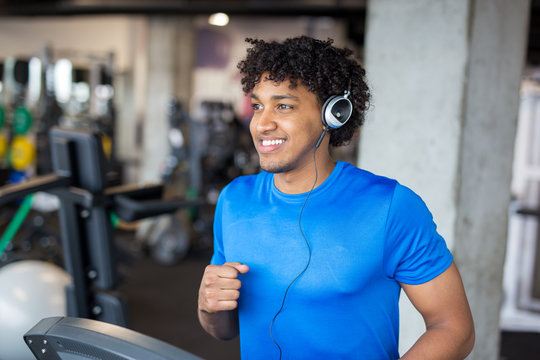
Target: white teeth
[(272, 142)]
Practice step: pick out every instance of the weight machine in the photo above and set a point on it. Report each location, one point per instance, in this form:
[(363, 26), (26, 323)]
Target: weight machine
[(79, 179)]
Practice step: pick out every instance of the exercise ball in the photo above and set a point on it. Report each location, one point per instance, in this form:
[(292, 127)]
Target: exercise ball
[(30, 290)]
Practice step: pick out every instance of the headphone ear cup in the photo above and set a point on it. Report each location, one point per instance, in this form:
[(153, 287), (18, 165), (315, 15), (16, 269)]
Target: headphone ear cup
[(323, 111), (336, 111)]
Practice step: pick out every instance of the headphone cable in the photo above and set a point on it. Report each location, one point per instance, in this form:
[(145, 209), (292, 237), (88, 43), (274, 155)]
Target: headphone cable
[(307, 243)]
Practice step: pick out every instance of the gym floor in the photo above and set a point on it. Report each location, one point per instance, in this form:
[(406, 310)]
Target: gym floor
[(162, 301)]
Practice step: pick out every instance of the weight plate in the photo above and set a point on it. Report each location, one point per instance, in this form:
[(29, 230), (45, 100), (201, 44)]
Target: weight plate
[(22, 120), (3, 145), (106, 143), (23, 153), (2, 117)]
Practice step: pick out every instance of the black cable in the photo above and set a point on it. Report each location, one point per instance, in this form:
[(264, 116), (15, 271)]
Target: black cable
[(307, 243)]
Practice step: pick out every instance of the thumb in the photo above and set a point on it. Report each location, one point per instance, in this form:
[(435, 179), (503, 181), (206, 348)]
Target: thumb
[(241, 268)]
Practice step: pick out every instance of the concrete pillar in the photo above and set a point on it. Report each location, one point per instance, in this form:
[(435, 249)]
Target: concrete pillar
[(170, 53), (496, 58), (160, 85), (445, 76)]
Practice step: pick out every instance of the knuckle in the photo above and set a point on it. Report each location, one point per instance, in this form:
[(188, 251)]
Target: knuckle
[(213, 269), (209, 282), (210, 269), (210, 294), (211, 306), (229, 305)]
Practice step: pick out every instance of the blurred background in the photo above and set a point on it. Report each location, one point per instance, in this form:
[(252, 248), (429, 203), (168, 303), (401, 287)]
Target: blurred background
[(455, 115)]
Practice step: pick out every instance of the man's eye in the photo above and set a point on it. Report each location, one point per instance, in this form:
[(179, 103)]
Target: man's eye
[(256, 106), (284, 106)]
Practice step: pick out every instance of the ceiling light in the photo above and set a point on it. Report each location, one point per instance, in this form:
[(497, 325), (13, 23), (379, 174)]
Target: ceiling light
[(218, 19)]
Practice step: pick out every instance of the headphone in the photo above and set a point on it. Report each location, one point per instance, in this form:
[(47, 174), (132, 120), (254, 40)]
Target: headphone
[(336, 111)]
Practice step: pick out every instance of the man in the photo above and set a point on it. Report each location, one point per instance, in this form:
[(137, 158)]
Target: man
[(310, 255)]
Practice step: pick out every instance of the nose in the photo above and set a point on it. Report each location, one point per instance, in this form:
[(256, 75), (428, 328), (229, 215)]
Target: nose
[(264, 121)]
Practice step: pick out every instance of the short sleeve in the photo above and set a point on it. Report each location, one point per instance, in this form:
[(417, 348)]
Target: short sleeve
[(414, 252), (218, 257)]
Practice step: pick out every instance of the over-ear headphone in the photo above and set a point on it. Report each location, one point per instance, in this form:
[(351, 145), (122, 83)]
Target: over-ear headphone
[(337, 110)]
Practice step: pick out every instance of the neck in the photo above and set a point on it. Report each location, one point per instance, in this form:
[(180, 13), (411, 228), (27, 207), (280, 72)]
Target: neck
[(301, 179)]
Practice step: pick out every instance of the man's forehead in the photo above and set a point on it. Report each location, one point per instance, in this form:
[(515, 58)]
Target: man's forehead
[(284, 86), (277, 96)]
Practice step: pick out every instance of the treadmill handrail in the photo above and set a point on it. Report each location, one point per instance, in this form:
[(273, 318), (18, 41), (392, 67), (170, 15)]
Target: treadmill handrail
[(55, 337)]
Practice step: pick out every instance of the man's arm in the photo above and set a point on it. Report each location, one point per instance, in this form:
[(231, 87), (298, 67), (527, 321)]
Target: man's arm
[(218, 297), (222, 325), (445, 309)]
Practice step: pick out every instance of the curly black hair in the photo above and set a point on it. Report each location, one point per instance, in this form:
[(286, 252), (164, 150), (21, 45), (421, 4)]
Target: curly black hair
[(324, 69)]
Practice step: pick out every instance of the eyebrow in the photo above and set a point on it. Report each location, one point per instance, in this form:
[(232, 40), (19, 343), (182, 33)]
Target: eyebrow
[(278, 97)]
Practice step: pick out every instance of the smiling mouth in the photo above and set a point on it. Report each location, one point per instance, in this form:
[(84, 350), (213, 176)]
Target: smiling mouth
[(272, 142), (269, 145)]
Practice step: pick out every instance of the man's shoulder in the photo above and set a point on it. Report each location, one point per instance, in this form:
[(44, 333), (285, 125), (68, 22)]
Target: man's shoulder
[(395, 188), (366, 178), (382, 185)]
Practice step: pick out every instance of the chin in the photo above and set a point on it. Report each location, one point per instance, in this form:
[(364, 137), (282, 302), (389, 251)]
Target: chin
[(275, 168)]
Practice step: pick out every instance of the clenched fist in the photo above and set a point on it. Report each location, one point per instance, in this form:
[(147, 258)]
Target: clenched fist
[(220, 286)]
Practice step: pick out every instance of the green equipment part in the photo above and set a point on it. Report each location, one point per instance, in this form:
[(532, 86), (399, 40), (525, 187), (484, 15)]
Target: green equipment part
[(22, 120)]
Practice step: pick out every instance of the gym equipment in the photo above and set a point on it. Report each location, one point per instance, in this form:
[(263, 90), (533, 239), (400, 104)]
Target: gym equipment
[(3, 145), (49, 113), (21, 91), (30, 291), (79, 181), (22, 153), (69, 338), (165, 238), (22, 120), (16, 222), (106, 143), (2, 117), (3, 138)]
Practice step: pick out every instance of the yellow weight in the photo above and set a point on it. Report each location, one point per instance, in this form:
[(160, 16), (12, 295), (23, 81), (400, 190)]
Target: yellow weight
[(23, 153), (106, 143), (3, 145)]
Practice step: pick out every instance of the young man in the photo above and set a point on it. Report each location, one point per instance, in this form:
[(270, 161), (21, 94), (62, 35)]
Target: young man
[(310, 255)]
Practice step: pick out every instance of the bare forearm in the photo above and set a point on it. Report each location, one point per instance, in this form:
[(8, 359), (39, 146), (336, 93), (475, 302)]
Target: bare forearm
[(440, 343), (218, 297), (446, 312), (222, 325)]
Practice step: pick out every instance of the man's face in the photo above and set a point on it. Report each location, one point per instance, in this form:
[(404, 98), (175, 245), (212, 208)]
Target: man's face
[(285, 126)]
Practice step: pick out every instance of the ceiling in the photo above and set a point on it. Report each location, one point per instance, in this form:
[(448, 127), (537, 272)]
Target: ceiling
[(352, 10), (336, 8)]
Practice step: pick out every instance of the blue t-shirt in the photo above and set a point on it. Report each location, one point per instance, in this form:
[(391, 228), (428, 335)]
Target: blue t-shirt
[(367, 234)]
